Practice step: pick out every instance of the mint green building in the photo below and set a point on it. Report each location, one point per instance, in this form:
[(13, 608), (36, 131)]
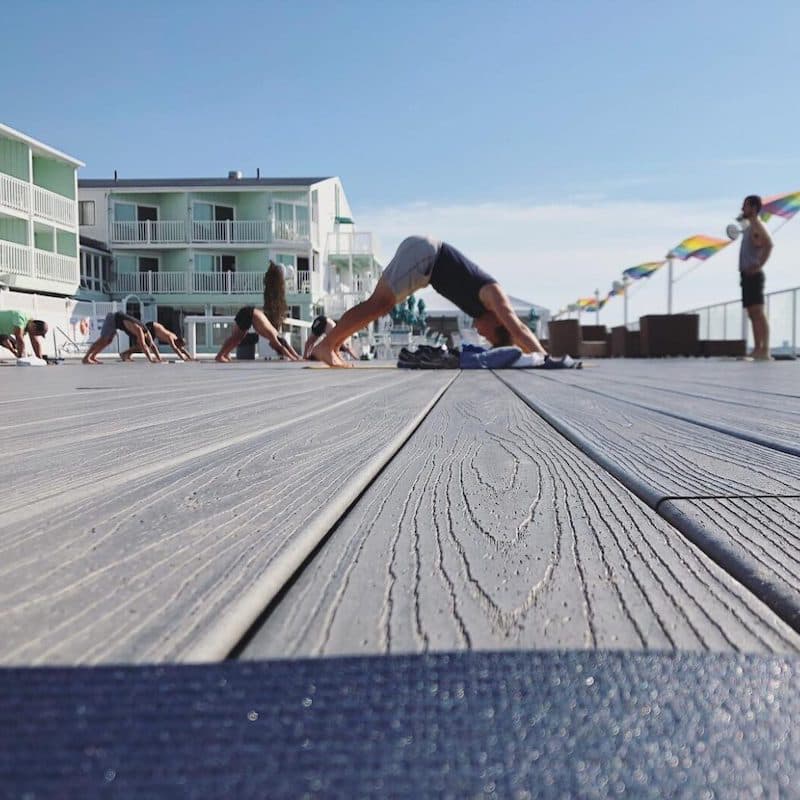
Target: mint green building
[(38, 217), (201, 246)]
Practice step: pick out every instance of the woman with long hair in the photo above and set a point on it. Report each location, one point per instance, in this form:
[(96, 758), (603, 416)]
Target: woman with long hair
[(275, 306)]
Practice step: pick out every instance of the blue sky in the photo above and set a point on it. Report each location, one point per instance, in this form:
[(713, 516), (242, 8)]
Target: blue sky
[(555, 143)]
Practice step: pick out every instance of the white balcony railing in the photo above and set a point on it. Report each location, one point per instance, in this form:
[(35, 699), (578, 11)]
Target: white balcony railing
[(190, 282), (343, 243), (166, 231), (55, 267), (241, 231), (15, 259), (15, 193), (299, 230), (337, 304), (54, 207)]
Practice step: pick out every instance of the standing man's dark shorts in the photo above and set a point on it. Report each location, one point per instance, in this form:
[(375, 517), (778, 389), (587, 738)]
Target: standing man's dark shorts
[(244, 318), (752, 289)]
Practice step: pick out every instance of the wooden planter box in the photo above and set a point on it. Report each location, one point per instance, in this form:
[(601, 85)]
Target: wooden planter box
[(669, 334)]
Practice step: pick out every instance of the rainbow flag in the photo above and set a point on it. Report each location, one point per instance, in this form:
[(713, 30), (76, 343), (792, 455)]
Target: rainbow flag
[(701, 247), (643, 270), (782, 205)]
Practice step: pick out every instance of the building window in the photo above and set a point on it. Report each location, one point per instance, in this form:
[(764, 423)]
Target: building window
[(94, 271), (86, 212)]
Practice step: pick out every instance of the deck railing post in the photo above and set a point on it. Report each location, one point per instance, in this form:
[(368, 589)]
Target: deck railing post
[(794, 322)]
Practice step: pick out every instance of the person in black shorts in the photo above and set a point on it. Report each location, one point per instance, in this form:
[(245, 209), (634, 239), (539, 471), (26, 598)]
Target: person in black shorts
[(119, 321), (160, 333), (755, 250), (321, 326), (251, 317), (418, 262)]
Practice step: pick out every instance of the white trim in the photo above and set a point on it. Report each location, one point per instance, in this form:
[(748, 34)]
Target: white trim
[(35, 144)]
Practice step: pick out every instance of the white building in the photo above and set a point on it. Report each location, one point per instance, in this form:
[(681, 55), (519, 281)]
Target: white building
[(200, 246), (38, 216)]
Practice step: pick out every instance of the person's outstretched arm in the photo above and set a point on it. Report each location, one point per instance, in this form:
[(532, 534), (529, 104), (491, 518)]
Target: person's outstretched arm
[(147, 347), (310, 342), (266, 329), (495, 300), (19, 338)]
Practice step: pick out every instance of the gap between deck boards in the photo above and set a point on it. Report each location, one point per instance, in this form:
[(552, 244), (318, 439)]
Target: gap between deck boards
[(777, 597)]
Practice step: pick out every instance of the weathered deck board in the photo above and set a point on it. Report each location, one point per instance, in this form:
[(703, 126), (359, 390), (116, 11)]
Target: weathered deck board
[(757, 540), (139, 558), (764, 419), (489, 531), (663, 456)]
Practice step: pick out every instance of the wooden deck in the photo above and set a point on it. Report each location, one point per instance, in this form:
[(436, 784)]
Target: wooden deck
[(411, 584), (198, 512)]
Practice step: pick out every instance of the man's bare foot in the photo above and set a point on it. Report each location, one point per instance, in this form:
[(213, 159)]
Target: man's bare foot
[(323, 352), (223, 359)]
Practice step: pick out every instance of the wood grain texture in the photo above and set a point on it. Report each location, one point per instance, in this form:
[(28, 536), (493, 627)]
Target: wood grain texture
[(490, 531), (757, 540), (671, 457), (172, 509), (773, 421)]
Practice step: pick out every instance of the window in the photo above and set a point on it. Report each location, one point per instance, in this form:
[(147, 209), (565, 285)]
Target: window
[(95, 269), (294, 312), (148, 264), (86, 212)]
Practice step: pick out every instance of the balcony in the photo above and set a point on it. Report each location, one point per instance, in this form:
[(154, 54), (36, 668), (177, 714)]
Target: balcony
[(297, 231), (345, 243), (54, 207), (190, 282), (299, 283), (230, 232), (25, 262), (15, 193), (149, 232), (48, 205)]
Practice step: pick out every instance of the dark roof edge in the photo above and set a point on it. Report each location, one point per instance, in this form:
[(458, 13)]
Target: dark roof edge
[(126, 183)]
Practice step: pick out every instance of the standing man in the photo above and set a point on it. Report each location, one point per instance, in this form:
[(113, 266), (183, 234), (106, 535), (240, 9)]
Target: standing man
[(420, 261), (119, 321), (13, 327), (755, 250)]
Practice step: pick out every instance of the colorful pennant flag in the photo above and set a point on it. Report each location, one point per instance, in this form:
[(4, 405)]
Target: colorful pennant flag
[(643, 270), (701, 247), (782, 205)]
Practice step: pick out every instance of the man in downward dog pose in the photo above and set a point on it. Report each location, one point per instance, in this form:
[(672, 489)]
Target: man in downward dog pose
[(321, 326), (119, 321), (14, 325), (160, 333), (420, 261), (250, 317)]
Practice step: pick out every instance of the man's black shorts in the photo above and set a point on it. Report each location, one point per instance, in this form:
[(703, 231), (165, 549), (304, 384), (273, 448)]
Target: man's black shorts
[(752, 289), (244, 318)]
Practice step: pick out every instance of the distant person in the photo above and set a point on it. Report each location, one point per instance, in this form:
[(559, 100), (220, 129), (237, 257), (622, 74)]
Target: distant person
[(119, 321), (753, 254), (160, 333), (420, 261), (14, 325), (322, 326), (250, 317)]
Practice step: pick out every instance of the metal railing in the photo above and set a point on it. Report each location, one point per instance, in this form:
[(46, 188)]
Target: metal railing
[(190, 282), (729, 320), (15, 193), (54, 207)]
